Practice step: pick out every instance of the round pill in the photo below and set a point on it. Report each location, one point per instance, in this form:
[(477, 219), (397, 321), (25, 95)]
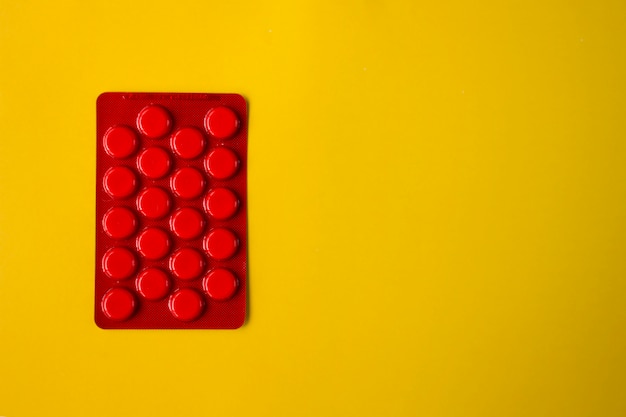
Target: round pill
[(221, 122), (154, 162), (221, 203), (119, 263), (119, 222), (153, 202), (220, 284), (154, 121), (187, 263), (118, 304), (187, 223), (188, 142), (186, 304), (220, 243), (152, 284), (221, 163), (120, 142), (153, 243), (187, 183), (119, 182)]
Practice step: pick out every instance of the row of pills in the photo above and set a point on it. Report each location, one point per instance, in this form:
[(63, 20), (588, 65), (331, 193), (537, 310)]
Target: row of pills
[(184, 304)]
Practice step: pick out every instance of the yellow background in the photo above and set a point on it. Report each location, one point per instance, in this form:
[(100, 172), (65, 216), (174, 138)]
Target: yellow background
[(437, 208)]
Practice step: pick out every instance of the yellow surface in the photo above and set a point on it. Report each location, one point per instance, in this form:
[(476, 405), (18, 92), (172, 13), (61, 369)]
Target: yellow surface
[(437, 208)]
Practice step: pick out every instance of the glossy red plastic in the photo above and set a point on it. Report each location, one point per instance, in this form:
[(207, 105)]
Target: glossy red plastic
[(221, 244), (119, 222), (186, 304), (221, 122), (221, 163), (119, 182), (171, 221), (154, 121), (188, 183), (119, 263), (187, 263), (154, 202), (153, 243), (118, 304), (120, 142), (152, 284), (220, 284), (221, 203), (188, 142), (187, 223), (154, 162)]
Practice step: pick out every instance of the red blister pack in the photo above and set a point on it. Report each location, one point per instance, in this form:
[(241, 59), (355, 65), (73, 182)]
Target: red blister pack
[(171, 247)]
